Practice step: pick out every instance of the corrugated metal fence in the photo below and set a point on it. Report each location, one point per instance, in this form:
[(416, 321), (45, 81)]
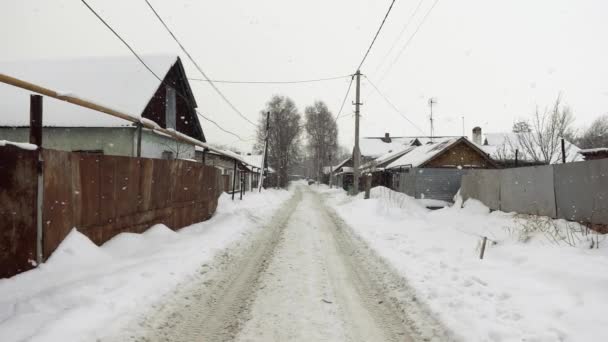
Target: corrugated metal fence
[(440, 184), (100, 195), (572, 191)]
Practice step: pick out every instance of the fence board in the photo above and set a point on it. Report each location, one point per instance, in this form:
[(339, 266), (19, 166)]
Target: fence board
[(582, 191), (528, 190), (18, 193)]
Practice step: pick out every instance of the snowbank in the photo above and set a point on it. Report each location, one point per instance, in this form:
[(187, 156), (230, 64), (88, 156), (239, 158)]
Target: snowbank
[(84, 292), (539, 282)]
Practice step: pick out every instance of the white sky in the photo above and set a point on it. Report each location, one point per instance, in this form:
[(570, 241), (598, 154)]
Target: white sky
[(489, 61)]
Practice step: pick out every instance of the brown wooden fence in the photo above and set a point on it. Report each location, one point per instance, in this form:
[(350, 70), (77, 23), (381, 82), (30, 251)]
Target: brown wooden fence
[(99, 195)]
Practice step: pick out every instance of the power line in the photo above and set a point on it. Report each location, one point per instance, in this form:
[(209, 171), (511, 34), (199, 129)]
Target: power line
[(122, 40), (392, 105), (271, 82), (150, 69), (198, 67), (376, 36), (407, 43), (345, 97), (403, 29), (218, 126)]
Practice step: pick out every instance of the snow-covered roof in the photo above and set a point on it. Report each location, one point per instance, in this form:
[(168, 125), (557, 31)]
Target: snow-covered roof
[(388, 157), (421, 154), (593, 150), (375, 147), (119, 82), (254, 160), (503, 145)]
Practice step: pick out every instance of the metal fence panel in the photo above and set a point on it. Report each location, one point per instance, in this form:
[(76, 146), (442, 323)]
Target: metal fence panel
[(439, 184), (528, 190), (582, 191), (482, 185), (407, 183)]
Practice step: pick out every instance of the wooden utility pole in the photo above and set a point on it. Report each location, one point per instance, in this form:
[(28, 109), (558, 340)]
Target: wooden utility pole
[(234, 180), (432, 101), (264, 161), (331, 171), (356, 150)]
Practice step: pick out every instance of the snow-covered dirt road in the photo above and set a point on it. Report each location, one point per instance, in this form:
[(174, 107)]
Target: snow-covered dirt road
[(302, 278)]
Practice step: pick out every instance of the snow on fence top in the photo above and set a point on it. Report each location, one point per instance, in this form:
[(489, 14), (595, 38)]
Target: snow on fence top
[(119, 82), (23, 146)]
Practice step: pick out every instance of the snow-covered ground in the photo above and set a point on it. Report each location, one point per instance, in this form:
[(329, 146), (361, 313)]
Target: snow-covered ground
[(84, 292), (537, 283)]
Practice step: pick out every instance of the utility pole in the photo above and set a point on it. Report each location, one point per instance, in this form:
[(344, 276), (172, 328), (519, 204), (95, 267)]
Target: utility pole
[(264, 161), (356, 150), (432, 101), (331, 170)]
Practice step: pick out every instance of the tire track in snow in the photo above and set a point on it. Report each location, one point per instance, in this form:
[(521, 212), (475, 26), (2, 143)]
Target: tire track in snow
[(213, 307)]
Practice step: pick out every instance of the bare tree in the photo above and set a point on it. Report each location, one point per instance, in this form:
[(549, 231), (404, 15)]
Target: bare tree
[(283, 138), (521, 126), (543, 143), (322, 132), (595, 135)]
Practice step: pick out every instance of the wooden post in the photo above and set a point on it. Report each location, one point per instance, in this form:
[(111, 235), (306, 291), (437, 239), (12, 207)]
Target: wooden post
[(563, 152), (242, 184), (36, 139), (36, 120), (483, 247), (516, 157), (234, 180), (140, 128), (368, 185)]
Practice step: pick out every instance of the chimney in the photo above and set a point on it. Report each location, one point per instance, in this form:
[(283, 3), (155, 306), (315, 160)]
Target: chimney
[(387, 138), (477, 135)]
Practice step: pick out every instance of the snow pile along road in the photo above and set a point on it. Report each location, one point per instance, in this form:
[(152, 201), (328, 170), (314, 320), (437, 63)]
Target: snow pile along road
[(539, 282), (84, 292)]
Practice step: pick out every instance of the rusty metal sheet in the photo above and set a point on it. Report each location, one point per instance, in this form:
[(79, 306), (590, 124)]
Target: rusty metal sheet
[(58, 199), (127, 185), (18, 191), (90, 190)]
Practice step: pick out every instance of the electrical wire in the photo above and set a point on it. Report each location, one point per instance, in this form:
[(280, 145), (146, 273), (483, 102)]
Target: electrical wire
[(403, 29), (392, 105), (198, 67), (407, 43), (376, 36), (150, 69), (345, 97), (271, 82)]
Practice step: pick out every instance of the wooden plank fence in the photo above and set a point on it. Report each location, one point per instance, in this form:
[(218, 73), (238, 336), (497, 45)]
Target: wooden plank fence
[(100, 195)]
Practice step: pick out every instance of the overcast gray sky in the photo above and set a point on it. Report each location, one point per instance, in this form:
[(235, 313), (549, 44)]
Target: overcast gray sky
[(490, 61)]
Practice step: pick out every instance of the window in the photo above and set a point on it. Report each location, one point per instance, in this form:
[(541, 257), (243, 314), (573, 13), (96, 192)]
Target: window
[(170, 108)]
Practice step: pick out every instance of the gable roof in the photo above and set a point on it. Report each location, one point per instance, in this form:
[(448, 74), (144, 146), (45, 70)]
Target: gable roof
[(421, 155), (121, 83)]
